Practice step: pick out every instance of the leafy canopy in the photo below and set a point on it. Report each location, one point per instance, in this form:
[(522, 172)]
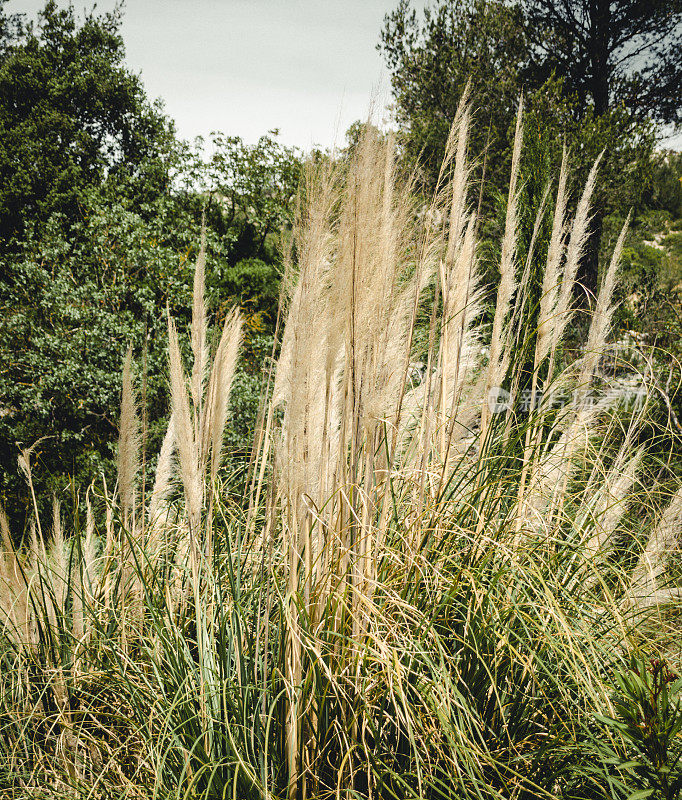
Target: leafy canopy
[(611, 53), (71, 115), (100, 215), (503, 49)]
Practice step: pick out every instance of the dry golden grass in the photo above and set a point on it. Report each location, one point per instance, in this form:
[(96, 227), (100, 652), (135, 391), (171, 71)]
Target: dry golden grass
[(420, 597)]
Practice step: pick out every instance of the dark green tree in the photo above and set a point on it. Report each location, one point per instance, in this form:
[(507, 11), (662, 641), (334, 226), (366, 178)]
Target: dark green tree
[(625, 172), (432, 58), (100, 213), (77, 299), (79, 293), (253, 187), (496, 46), (71, 115), (611, 54)]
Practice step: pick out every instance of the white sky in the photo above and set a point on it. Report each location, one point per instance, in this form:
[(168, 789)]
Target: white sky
[(243, 67), (307, 67)]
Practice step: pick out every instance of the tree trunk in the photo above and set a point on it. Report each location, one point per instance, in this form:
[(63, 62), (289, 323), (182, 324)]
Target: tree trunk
[(599, 48)]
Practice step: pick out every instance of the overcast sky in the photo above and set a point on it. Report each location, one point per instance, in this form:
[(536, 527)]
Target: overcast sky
[(307, 67), (243, 67)]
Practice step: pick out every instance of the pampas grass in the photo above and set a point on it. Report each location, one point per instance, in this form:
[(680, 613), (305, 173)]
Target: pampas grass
[(422, 595), (499, 341), (184, 427), (128, 442)]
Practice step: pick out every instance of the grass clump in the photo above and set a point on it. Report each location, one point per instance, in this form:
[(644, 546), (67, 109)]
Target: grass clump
[(438, 567)]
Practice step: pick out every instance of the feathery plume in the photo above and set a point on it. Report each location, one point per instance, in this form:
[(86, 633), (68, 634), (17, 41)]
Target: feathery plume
[(603, 313), (612, 502), (580, 231), (90, 545), (198, 329), (220, 384), (184, 431), (499, 351), (163, 475), (550, 280), (128, 440), (653, 559), (5, 535), (24, 460)]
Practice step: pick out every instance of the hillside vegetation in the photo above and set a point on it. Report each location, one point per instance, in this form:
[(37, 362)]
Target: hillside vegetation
[(347, 474), (433, 588)]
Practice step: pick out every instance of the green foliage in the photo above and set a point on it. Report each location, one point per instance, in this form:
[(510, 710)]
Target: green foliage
[(70, 306), (69, 309), (253, 188), (625, 172), (100, 208), (255, 285), (651, 280), (666, 185), (72, 114), (649, 719), (245, 398), (480, 43)]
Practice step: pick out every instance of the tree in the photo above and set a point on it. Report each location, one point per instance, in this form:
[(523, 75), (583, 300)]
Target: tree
[(431, 61), (71, 116), (499, 47), (253, 189), (100, 212), (611, 55), (76, 300), (73, 297)]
